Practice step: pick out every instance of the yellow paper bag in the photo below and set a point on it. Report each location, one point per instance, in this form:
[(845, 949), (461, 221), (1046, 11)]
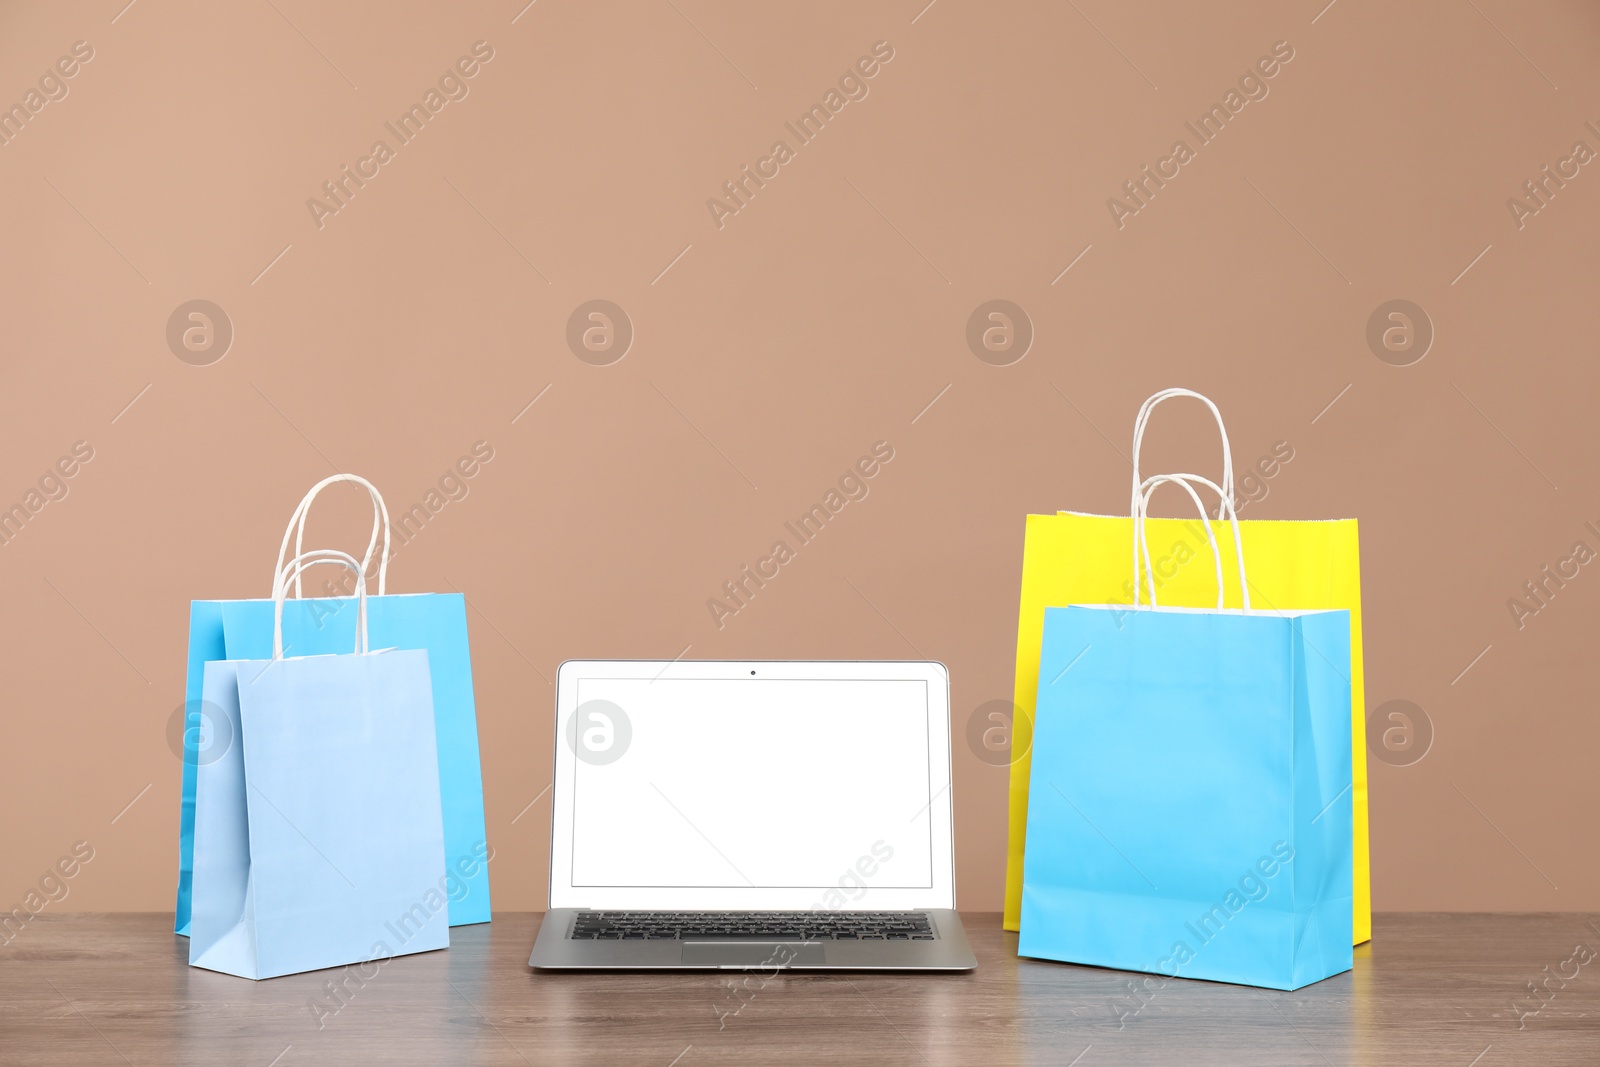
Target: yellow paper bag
[(1071, 558)]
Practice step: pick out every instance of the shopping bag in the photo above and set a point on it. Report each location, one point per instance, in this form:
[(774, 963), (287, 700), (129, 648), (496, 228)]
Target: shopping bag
[(1189, 814), (1072, 558), (434, 622), (318, 838)]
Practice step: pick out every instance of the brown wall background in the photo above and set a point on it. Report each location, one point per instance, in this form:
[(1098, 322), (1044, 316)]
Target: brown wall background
[(770, 353)]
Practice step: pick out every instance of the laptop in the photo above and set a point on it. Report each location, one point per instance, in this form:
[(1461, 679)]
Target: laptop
[(739, 815)]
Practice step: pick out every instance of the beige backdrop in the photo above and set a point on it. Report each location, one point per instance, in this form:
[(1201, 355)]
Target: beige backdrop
[(775, 340)]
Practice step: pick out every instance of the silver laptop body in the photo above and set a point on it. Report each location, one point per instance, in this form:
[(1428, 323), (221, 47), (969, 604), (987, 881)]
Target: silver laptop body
[(752, 815)]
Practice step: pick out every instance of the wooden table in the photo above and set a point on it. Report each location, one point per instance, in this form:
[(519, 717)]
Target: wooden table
[(1430, 989)]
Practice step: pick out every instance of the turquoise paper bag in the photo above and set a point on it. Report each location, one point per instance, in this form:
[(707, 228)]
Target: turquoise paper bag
[(1189, 812), (431, 622), (318, 839)]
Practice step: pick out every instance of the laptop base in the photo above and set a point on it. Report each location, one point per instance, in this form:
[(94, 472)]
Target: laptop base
[(556, 950)]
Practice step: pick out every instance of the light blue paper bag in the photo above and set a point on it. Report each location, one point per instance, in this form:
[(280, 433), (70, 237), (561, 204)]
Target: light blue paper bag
[(434, 622), (1189, 810), (318, 839)]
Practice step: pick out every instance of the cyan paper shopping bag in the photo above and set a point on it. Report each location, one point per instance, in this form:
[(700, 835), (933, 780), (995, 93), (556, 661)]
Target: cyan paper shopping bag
[(1189, 808), (431, 622), (318, 838), (1190, 805)]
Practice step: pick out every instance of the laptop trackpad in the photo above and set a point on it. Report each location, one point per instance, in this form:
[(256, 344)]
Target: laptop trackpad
[(752, 954)]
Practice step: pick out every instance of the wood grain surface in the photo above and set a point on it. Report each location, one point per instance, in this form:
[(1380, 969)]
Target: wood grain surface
[(1430, 989)]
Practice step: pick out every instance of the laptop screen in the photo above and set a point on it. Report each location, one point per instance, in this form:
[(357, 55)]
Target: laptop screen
[(770, 791)]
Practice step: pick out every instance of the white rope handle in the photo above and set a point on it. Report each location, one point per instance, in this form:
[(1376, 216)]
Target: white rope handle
[(1141, 540), (380, 520), (304, 561), (1141, 421)]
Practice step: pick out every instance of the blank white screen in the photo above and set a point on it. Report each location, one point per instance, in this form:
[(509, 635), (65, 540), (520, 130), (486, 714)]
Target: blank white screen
[(767, 783)]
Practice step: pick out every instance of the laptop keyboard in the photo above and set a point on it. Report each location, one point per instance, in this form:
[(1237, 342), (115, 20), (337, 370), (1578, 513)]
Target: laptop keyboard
[(752, 925)]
